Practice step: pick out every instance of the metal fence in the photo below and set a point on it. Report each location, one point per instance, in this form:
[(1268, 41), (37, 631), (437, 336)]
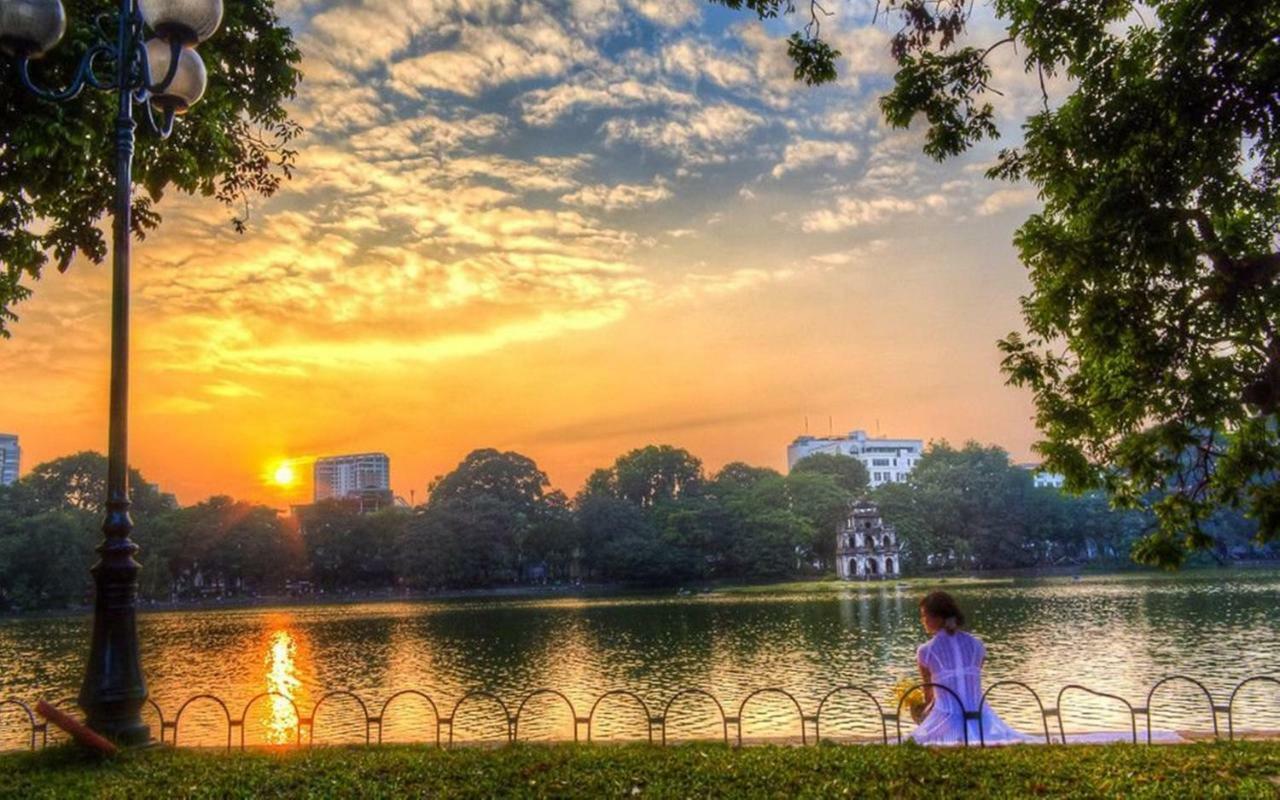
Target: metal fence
[(442, 731)]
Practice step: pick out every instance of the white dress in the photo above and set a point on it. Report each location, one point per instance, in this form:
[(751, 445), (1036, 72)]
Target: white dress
[(954, 660)]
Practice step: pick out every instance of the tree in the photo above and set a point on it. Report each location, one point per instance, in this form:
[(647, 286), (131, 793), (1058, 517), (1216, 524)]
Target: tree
[(50, 522), (768, 535), (554, 536), (657, 473), (347, 549), (1152, 341), (618, 541), (56, 177), (480, 515), (849, 473), (45, 559), (507, 477), (79, 482), (963, 507), (234, 547), (737, 477), (822, 501)]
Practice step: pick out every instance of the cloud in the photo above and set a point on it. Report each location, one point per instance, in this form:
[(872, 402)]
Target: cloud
[(231, 389), (667, 13), (1005, 199), (707, 135), (178, 406), (698, 59), (618, 196), (858, 252), (736, 280), (593, 91), (811, 152), (485, 57), (302, 356), (854, 212)]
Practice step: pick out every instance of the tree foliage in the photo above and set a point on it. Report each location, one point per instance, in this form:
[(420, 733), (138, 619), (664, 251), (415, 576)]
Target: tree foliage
[(657, 474), (1152, 344), (492, 522), (971, 508), (78, 482), (51, 523), (849, 473), (57, 171)]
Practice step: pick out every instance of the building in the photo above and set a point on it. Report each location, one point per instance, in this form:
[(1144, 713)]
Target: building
[(886, 460), (10, 458), (1042, 479), (353, 476), (865, 546)]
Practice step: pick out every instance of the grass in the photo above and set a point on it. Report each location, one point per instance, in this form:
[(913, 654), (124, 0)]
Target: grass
[(1240, 770)]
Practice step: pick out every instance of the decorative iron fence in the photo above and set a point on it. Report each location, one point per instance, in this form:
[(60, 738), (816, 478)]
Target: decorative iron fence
[(37, 730)]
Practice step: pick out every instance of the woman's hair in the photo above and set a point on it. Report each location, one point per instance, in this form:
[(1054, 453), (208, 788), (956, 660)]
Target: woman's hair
[(943, 606)]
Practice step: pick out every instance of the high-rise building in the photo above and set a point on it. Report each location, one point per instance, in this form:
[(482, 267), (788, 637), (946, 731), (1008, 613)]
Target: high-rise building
[(340, 477), (886, 460), (10, 458)]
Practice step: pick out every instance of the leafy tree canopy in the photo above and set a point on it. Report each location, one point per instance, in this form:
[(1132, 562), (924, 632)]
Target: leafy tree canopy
[(1152, 341), (736, 477), (849, 473), (78, 482), (56, 176), (654, 474), (508, 477)]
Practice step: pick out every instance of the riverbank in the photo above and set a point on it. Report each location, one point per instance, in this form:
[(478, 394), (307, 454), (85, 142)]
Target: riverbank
[(590, 591), (1239, 770)]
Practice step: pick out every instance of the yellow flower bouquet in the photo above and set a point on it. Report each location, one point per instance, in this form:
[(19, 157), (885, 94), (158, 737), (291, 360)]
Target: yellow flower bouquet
[(907, 692)]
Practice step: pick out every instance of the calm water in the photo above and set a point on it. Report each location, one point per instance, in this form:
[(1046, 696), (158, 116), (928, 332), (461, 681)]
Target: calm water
[(1115, 634)]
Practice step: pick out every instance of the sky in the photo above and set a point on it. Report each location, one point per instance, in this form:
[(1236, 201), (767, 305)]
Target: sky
[(567, 229)]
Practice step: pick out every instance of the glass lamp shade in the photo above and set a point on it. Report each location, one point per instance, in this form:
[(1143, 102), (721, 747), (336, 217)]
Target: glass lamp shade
[(31, 27), (188, 21), (189, 78)]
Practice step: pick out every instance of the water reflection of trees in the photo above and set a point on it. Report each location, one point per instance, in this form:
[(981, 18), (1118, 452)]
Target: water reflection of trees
[(1116, 635)]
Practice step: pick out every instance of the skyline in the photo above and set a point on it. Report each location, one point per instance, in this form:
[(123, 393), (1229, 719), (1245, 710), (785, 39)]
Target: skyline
[(537, 227)]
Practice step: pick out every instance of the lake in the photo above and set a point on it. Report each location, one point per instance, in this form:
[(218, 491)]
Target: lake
[(1116, 634)]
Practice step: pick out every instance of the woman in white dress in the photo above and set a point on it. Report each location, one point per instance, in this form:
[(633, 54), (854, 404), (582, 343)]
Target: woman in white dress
[(953, 658)]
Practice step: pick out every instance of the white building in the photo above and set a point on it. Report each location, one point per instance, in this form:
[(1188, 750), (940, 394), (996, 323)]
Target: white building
[(886, 460), (865, 546), (1041, 479), (10, 458), (337, 477)]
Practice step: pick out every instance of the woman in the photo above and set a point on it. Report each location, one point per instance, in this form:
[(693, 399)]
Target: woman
[(953, 659)]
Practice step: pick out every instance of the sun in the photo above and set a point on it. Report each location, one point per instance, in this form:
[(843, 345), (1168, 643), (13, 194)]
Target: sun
[(284, 475)]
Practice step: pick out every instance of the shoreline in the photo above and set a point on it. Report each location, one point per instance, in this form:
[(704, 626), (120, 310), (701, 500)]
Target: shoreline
[(592, 591)]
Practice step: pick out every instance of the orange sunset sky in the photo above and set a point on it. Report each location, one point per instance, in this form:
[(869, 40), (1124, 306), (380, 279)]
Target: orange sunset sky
[(563, 228)]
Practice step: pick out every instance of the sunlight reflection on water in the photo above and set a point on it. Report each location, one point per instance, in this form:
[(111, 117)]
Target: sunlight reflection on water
[(1117, 634), (283, 684)]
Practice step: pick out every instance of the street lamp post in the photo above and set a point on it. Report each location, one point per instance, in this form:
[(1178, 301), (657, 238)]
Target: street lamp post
[(114, 689)]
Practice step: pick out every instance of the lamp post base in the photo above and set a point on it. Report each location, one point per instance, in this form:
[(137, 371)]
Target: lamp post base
[(114, 690), (125, 733)]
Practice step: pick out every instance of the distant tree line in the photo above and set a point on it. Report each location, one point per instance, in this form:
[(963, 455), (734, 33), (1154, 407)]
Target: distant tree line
[(653, 517)]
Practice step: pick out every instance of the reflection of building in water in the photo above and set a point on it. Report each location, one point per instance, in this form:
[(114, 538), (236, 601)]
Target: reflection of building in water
[(865, 546), (283, 684)]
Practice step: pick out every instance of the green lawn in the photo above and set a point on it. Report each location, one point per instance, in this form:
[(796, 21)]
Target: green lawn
[(1241, 770)]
